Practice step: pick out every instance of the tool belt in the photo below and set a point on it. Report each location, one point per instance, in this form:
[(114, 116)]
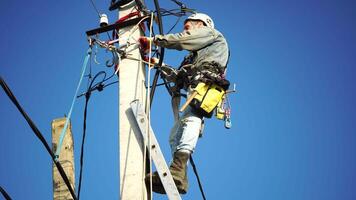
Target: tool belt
[(208, 97)]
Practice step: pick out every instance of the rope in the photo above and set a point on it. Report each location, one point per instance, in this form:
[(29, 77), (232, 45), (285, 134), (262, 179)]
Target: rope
[(196, 175), (58, 151), (147, 141), (39, 136), (3, 192)]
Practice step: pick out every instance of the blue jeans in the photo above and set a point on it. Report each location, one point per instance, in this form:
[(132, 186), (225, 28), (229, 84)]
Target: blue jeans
[(185, 132)]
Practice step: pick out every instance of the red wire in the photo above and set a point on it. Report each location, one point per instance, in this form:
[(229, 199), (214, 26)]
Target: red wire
[(124, 18)]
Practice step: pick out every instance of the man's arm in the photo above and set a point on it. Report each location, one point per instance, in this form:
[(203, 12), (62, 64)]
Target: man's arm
[(188, 40)]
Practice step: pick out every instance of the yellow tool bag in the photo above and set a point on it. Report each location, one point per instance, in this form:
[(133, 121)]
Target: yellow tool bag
[(207, 97)]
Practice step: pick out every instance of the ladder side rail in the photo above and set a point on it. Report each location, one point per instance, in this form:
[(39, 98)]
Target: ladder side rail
[(156, 153)]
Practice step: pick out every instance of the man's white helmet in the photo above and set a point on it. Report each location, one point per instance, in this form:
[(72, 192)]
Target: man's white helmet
[(202, 17)]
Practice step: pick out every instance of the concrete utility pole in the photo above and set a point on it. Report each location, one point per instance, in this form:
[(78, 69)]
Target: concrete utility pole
[(131, 144), (66, 158)]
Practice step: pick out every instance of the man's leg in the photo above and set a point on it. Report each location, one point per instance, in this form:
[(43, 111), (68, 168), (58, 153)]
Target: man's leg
[(183, 139), (187, 136), (174, 137), (188, 132)]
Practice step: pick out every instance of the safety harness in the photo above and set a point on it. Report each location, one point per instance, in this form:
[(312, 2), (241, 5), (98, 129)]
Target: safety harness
[(208, 84)]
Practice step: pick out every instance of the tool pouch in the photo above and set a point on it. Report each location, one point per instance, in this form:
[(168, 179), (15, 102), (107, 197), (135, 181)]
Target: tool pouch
[(207, 98)]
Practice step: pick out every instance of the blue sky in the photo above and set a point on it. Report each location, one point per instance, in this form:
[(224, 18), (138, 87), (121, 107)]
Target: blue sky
[(293, 134)]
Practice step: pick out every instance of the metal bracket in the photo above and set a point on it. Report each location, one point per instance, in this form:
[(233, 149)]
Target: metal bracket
[(116, 4), (111, 27)]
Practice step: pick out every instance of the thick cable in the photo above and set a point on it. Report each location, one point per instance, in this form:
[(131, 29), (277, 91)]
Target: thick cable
[(196, 174), (161, 50), (4, 193), (61, 137), (39, 136), (87, 97)]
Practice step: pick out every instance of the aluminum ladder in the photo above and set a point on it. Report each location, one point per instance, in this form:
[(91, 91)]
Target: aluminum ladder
[(156, 153)]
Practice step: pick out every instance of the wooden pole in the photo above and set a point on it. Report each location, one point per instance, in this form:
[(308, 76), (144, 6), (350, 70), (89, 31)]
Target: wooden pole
[(131, 87), (66, 159)]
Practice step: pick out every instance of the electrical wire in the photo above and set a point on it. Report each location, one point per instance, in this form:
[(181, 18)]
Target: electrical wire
[(96, 9), (87, 94), (161, 50), (159, 16), (83, 142), (110, 84), (172, 12), (39, 136), (175, 24), (87, 97), (99, 15), (179, 3), (4, 193), (196, 174), (160, 12)]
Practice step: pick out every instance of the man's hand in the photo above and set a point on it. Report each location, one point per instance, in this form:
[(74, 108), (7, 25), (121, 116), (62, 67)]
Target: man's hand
[(153, 61), (145, 43)]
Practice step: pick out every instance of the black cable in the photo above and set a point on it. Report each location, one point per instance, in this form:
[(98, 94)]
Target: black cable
[(97, 11), (39, 136), (87, 97), (196, 174), (174, 25), (168, 87), (159, 84), (98, 86), (110, 84), (173, 12), (3, 192), (160, 28), (179, 3)]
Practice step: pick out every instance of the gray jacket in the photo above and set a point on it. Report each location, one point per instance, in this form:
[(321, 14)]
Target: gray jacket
[(206, 46)]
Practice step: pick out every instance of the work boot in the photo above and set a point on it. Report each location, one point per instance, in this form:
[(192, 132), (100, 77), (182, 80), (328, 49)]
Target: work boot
[(157, 185), (178, 170)]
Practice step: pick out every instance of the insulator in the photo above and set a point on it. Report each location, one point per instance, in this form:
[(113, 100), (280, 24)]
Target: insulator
[(104, 21)]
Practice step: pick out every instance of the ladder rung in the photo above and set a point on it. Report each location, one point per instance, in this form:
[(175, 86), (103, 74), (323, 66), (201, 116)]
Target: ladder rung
[(156, 153)]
